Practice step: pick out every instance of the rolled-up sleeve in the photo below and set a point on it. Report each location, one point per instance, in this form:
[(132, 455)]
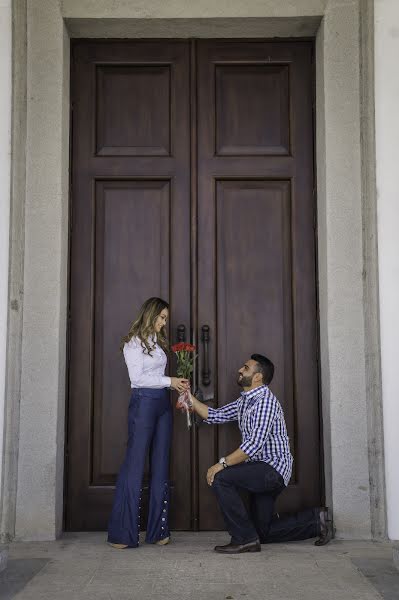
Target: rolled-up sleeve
[(134, 357), (262, 422), (226, 413)]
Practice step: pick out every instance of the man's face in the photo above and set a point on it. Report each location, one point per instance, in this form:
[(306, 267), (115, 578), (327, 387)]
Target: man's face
[(247, 373)]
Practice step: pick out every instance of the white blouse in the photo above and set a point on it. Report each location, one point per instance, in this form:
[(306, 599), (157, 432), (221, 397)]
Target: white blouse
[(146, 371)]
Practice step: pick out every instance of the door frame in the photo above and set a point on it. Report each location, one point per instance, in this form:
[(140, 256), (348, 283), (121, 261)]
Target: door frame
[(194, 445), (346, 204)]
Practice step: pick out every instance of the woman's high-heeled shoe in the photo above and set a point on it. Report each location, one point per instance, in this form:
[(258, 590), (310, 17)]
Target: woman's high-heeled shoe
[(163, 542)]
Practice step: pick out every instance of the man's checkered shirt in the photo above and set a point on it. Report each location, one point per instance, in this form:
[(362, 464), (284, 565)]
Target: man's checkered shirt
[(261, 421)]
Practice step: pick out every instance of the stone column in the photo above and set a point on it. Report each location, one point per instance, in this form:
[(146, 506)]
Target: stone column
[(5, 170), (42, 407), (386, 18), (341, 264)]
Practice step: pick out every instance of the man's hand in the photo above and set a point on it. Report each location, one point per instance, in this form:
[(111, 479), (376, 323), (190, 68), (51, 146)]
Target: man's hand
[(210, 476)]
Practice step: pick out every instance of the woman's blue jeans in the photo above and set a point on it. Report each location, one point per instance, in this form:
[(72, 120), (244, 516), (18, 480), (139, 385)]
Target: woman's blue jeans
[(150, 430)]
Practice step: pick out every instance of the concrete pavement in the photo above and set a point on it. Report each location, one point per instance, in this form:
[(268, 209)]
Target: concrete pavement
[(83, 567)]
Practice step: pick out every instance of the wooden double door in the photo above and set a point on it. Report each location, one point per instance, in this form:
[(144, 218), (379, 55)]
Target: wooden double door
[(192, 180)]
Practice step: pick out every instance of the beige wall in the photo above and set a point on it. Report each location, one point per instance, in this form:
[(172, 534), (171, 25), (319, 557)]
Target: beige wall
[(178, 9), (345, 392)]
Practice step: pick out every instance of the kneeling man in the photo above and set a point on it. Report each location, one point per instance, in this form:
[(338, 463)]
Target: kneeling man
[(262, 465)]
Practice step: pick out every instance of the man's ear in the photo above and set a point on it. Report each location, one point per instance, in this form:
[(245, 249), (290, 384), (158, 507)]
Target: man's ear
[(258, 376)]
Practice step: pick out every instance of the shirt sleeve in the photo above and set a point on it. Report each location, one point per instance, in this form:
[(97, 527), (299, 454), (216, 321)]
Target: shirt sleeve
[(134, 357), (227, 413), (265, 413)]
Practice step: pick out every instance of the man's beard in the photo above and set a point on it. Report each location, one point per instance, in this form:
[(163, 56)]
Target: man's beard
[(244, 381)]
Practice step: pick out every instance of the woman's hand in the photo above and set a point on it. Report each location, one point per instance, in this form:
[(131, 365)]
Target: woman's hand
[(180, 385)]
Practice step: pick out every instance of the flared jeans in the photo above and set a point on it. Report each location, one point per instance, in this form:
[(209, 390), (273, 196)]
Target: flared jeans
[(149, 430)]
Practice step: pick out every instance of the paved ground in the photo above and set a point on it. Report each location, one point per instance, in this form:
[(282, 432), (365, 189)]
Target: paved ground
[(83, 567)]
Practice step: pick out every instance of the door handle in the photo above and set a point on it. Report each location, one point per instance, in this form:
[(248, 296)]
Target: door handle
[(181, 333), (206, 373)]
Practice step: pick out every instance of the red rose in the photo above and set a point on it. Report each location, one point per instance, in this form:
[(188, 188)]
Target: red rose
[(178, 347), (183, 347), (189, 348)]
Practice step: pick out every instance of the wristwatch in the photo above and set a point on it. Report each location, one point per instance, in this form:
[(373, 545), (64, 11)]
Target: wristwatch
[(222, 461)]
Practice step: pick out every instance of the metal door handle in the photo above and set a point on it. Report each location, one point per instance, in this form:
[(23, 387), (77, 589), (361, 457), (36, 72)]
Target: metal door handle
[(181, 333), (206, 374)]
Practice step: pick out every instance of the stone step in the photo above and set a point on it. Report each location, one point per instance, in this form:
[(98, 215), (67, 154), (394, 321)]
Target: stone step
[(395, 554), (3, 556)]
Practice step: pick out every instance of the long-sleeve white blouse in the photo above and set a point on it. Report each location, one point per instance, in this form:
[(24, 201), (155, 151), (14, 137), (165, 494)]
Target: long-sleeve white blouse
[(146, 371)]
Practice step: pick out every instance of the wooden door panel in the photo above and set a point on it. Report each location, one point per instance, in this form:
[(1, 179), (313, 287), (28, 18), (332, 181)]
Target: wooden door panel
[(252, 110), (130, 240), (254, 288), (256, 279), (129, 216), (133, 110)]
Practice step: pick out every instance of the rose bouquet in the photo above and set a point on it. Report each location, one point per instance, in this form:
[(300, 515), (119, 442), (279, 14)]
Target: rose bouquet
[(185, 354)]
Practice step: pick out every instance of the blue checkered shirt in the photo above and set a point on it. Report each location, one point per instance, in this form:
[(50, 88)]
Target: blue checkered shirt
[(261, 421)]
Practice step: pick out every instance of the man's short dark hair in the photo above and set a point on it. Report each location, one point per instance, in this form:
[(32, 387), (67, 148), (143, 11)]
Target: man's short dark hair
[(264, 366)]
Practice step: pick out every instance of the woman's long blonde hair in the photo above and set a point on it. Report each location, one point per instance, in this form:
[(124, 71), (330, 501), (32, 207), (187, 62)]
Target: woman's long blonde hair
[(144, 326)]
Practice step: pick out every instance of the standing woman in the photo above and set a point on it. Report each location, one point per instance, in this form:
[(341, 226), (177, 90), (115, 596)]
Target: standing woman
[(149, 429)]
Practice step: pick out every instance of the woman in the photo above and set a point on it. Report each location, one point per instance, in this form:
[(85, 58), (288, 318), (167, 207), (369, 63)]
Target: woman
[(150, 428)]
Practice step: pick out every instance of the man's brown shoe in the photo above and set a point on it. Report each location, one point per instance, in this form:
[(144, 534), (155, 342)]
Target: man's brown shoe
[(239, 548), (326, 527)]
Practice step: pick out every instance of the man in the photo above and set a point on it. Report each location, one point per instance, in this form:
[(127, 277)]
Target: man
[(262, 466)]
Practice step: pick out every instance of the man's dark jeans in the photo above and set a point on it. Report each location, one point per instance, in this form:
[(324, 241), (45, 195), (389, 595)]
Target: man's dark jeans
[(264, 485)]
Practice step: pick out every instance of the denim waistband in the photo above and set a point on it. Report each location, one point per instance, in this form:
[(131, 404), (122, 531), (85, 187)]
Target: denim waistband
[(150, 392)]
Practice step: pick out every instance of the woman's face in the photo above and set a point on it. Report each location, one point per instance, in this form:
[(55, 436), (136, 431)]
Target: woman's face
[(161, 320)]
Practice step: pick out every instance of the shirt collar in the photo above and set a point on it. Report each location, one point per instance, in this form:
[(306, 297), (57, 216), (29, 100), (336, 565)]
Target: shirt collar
[(248, 395)]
